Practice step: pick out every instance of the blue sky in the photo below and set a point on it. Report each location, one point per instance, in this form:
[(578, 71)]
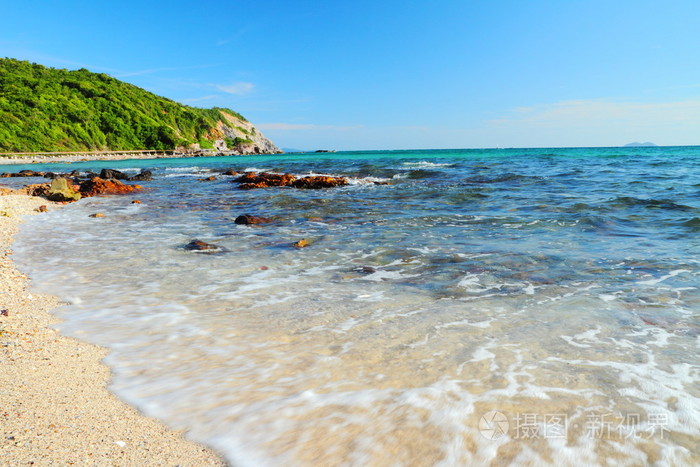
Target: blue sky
[(395, 74)]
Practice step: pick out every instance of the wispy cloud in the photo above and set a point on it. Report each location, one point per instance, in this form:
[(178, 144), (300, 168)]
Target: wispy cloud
[(573, 113), (240, 88), (148, 71), (304, 127), (597, 122)]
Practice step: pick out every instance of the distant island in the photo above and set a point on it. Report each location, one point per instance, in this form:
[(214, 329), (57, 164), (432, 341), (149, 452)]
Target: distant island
[(638, 145), (47, 109)]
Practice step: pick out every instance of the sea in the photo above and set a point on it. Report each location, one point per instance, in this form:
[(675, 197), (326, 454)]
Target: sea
[(527, 307)]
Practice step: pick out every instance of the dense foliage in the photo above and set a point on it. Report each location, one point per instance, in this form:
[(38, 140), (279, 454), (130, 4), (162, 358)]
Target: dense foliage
[(47, 109)]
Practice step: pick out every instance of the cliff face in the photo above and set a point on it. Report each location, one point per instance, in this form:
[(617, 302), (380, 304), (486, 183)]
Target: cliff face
[(236, 134)]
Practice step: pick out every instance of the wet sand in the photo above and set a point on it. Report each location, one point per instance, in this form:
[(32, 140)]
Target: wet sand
[(56, 409)]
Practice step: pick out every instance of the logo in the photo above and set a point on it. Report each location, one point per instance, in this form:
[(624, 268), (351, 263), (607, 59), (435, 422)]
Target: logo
[(493, 425)]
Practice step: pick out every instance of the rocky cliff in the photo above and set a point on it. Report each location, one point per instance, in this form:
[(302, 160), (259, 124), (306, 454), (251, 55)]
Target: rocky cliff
[(236, 134)]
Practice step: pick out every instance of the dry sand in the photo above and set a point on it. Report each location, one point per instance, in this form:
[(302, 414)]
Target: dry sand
[(55, 408)]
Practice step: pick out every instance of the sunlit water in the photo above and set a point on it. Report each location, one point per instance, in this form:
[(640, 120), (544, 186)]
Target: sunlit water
[(556, 288)]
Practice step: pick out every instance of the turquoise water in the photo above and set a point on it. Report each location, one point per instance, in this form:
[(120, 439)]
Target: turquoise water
[(525, 307)]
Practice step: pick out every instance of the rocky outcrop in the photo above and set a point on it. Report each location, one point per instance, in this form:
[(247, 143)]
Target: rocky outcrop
[(98, 186), (251, 180), (112, 174), (240, 136), (319, 181), (22, 173)]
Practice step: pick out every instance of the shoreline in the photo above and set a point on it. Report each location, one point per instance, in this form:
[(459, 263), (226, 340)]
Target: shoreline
[(56, 406), (89, 157)]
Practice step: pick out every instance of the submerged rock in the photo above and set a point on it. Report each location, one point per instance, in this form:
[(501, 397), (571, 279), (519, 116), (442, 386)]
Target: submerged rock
[(211, 178), (199, 245), (303, 243), (98, 186), (247, 219), (229, 172), (364, 270), (97, 214), (61, 190)]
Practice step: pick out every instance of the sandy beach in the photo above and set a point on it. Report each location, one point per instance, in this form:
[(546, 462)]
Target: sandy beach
[(56, 409)]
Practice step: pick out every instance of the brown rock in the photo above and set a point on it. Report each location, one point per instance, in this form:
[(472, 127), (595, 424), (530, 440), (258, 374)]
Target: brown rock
[(23, 173), (198, 245), (303, 243), (229, 172), (97, 214), (247, 219), (319, 181), (136, 202), (208, 179), (42, 208), (251, 180), (97, 186)]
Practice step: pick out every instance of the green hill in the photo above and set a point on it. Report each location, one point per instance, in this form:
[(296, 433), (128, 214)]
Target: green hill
[(48, 109)]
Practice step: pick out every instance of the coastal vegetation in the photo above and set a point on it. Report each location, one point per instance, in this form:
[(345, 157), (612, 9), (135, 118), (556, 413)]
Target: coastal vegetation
[(48, 109)]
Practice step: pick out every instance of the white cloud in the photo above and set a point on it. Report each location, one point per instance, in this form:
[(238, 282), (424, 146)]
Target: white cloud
[(239, 88), (304, 126)]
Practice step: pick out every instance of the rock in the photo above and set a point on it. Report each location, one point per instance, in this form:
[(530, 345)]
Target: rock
[(23, 173), (319, 181), (364, 270), (229, 172), (382, 183), (247, 219), (97, 214), (136, 202), (98, 186), (41, 189), (303, 243), (143, 176), (62, 190), (251, 180), (208, 179), (198, 245), (111, 174), (42, 208)]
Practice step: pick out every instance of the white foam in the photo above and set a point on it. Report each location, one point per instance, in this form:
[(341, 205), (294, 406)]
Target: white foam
[(427, 164)]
